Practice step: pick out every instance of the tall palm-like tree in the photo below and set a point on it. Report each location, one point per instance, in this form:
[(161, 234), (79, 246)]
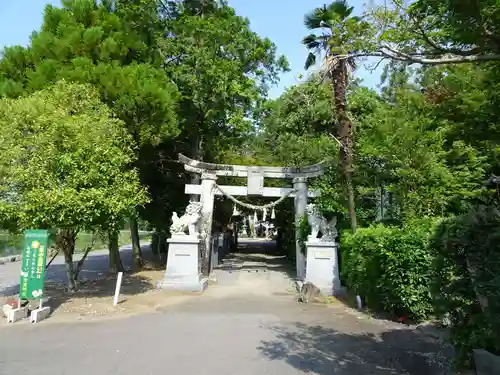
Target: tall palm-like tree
[(332, 31)]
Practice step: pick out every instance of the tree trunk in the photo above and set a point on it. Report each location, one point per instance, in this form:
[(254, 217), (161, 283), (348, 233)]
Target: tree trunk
[(137, 259), (162, 247), (346, 136), (65, 242), (70, 273), (115, 262), (155, 244), (350, 199), (158, 245)]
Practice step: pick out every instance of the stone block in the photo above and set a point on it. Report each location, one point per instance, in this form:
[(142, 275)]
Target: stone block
[(486, 362), (183, 284), (183, 272), (38, 315), (322, 268), (5, 310), (15, 315)]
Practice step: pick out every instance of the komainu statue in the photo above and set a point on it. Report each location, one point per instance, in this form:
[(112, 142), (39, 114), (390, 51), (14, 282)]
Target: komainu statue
[(188, 222), (319, 224)]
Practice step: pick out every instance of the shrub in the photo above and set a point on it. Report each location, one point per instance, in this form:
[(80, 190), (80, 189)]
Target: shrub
[(466, 280), (390, 267)]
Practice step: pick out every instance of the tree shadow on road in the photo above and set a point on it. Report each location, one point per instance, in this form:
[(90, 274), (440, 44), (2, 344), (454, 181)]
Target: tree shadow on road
[(326, 351)]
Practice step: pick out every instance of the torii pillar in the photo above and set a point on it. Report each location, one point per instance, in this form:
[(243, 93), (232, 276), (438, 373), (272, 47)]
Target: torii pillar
[(300, 202), (207, 201)]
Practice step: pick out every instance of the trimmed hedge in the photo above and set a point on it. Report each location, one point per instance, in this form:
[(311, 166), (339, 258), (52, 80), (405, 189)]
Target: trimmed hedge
[(448, 268), (466, 280), (390, 267)]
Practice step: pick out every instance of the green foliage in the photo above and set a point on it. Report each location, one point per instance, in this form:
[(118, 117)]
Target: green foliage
[(191, 76), (222, 69), (454, 23), (295, 126), (426, 31), (179, 75), (65, 161), (465, 97), (441, 175), (331, 199), (390, 267), (91, 42), (438, 176), (466, 279), (337, 27), (335, 31), (285, 222), (302, 109), (304, 231)]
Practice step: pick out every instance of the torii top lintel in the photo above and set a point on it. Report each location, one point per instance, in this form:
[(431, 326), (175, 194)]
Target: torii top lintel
[(197, 166)]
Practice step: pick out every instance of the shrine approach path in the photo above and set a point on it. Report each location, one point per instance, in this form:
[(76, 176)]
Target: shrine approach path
[(248, 324)]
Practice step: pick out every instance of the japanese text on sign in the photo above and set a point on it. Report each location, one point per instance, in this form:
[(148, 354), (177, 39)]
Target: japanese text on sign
[(33, 264)]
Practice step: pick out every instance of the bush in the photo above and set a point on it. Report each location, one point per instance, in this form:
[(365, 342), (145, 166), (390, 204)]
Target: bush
[(390, 268), (466, 280)]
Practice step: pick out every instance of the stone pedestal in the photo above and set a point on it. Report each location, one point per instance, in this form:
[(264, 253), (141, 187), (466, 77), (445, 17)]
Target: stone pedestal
[(486, 363), (39, 314), (322, 268), (14, 315), (183, 271)]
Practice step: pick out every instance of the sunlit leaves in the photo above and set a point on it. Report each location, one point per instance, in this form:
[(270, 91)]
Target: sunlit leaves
[(336, 30), (67, 160), (222, 69), (89, 42)]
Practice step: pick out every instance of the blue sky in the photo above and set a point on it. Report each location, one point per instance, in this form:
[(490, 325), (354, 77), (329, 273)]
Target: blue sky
[(280, 20)]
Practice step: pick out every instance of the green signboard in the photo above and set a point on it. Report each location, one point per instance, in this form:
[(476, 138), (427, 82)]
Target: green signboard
[(33, 264)]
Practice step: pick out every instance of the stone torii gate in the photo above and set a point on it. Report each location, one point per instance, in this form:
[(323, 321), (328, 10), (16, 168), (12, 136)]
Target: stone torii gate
[(255, 187)]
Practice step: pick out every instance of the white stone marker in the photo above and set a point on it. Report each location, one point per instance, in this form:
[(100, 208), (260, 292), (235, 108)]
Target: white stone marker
[(39, 314), (14, 315), (117, 288), (183, 271), (322, 266)]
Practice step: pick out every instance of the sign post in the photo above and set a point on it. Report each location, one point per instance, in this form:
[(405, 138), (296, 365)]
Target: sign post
[(34, 257), (33, 264)]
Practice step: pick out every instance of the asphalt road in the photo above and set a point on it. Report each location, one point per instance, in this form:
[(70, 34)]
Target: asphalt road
[(248, 324)]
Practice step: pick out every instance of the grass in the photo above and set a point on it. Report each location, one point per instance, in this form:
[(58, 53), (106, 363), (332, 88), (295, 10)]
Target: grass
[(11, 244)]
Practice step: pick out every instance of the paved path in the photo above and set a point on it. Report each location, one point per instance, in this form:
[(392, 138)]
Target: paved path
[(248, 324), (255, 269)]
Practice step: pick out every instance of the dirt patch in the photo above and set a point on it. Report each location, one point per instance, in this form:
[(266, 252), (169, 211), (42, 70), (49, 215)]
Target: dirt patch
[(94, 298)]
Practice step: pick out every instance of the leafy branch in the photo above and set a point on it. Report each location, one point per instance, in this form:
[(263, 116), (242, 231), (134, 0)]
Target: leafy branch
[(416, 35)]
